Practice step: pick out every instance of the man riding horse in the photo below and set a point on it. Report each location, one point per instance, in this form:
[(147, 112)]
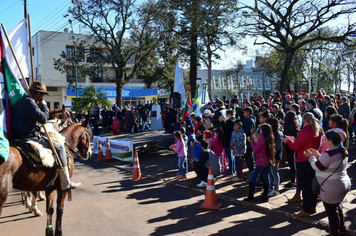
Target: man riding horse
[(24, 117)]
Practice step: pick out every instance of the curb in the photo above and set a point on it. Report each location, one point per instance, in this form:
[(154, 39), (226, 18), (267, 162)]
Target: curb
[(321, 224)]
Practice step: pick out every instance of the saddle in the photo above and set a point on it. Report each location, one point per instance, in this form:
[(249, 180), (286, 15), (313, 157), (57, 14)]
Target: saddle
[(29, 153)]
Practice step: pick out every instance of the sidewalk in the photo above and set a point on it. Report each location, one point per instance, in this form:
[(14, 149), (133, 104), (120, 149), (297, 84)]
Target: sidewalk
[(162, 165)]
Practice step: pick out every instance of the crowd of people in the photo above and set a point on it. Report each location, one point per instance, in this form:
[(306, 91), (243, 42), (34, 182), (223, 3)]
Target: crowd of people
[(115, 120), (311, 133)]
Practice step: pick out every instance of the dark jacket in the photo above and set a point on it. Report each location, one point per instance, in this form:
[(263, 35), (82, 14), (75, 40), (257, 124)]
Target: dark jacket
[(228, 128), (24, 115), (248, 124), (130, 119), (344, 110)]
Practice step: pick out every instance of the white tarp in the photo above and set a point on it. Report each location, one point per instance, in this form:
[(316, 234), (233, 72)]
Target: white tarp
[(120, 150), (179, 82)]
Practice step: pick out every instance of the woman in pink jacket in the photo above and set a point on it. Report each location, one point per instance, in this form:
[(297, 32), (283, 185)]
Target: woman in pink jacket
[(308, 137), (264, 149)]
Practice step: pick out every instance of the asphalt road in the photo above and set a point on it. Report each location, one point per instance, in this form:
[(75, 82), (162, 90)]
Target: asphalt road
[(108, 203)]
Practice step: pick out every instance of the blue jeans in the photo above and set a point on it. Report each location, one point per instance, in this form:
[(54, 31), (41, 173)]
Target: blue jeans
[(275, 175), (182, 165), (231, 160), (257, 170), (144, 125), (239, 165)]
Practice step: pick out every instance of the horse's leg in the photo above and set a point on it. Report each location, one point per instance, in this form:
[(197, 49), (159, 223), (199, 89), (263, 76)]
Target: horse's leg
[(61, 196), (27, 196), (5, 189), (50, 211), (34, 208), (40, 196)]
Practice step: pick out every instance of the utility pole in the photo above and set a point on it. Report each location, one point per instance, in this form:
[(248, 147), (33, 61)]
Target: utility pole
[(25, 8)]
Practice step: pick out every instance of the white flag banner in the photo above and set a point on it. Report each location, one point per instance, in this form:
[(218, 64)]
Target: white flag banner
[(18, 37), (179, 82)]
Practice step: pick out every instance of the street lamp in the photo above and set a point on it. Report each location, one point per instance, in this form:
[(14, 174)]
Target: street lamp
[(75, 60)]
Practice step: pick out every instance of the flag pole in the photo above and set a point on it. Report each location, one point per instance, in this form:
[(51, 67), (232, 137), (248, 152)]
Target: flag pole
[(31, 49), (28, 91)]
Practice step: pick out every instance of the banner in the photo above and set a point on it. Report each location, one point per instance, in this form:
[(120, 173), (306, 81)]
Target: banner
[(120, 150)]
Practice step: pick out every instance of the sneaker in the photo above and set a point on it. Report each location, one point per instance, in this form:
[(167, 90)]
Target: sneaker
[(179, 176), (237, 179), (228, 174), (182, 177), (202, 184), (290, 185), (273, 193)]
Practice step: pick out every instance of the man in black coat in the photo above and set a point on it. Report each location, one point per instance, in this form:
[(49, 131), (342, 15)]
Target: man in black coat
[(228, 127)]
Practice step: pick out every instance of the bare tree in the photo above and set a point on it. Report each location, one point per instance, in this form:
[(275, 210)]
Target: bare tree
[(289, 25)]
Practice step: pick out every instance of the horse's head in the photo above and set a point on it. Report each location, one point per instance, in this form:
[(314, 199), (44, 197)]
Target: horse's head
[(60, 113), (78, 137), (83, 146)]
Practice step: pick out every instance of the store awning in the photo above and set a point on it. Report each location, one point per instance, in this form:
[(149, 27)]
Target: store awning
[(127, 92)]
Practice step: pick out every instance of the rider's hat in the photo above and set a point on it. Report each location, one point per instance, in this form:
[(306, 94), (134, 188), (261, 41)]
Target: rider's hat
[(39, 87)]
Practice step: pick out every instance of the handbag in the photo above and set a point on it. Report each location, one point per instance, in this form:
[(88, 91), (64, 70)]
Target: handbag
[(316, 187)]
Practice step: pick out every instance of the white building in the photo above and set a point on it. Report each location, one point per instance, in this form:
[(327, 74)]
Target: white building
[(48, 45), (246, 82)]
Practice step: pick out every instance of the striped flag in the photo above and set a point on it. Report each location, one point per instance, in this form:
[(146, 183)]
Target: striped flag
[(196, 101), (11, 88)]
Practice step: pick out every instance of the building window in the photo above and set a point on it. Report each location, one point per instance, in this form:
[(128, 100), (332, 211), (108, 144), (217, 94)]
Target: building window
[(95, 53), (53, 89), (97, 74), (55, 105), (235, 84), (74, 53), (225, 82), (71, 74), (216, 81)]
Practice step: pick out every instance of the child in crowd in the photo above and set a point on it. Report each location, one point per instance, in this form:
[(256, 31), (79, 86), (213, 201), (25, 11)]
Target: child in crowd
[(264, 149), (218, 149), (184, 136), (116, 126), (197, 150), (238, 145), (191, 139), (182, 155), (207, 137)]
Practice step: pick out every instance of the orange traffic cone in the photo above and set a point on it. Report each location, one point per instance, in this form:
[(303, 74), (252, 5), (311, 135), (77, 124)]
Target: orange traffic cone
[(100, 152), (108, 156), (136, 174), (210, 202)]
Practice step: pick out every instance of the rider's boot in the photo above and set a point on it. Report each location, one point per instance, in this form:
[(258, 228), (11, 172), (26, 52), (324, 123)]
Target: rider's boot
[(66, 183)]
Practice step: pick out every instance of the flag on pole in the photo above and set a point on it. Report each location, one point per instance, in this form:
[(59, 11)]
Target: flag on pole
[(196, 101), (204, 100), (11, 88), (4, 143), (186, 108)]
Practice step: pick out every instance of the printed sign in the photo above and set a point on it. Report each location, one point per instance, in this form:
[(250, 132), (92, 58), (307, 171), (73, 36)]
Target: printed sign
[(120, 150)]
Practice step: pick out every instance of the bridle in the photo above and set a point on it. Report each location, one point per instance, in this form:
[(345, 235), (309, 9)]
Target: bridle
[(87, 145)]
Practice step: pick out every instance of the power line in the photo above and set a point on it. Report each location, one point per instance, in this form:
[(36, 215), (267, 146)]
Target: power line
[(10, 6), (54, 21), (38, 25)]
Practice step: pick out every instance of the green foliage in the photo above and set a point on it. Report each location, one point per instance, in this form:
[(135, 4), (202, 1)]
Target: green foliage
[(89, 98)]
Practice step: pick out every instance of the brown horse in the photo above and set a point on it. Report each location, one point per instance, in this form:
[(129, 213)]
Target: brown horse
[(20, 174), (60, 113)]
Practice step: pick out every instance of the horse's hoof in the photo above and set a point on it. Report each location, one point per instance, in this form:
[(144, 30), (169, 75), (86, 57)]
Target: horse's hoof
[(38, 213), (49, 232)]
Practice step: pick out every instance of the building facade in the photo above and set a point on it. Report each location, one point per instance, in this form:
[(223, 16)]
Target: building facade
[(49, 45), (246, 82)]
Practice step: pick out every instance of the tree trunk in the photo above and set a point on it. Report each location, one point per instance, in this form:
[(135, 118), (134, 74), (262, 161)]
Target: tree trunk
[(285, 72), (193, 50), (119, 86)]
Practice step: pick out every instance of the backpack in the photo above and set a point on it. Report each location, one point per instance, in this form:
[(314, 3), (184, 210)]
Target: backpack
[(213, 162)]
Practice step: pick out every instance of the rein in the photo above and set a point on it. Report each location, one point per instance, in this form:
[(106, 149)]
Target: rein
[(75, 153)]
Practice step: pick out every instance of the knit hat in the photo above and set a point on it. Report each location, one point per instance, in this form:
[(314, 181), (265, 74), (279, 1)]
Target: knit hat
[(207, 133)]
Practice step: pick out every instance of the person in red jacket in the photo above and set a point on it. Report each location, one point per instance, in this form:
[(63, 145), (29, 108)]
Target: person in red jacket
[(308, 137), (116, 126)]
